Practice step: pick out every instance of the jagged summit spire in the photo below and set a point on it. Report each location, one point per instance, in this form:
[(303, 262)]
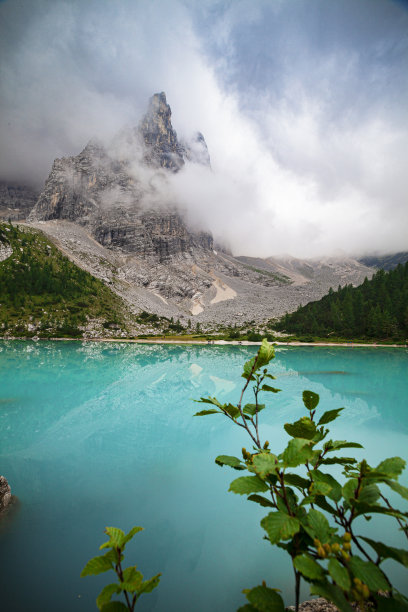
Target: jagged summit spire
[(163, 147), (158, 99)]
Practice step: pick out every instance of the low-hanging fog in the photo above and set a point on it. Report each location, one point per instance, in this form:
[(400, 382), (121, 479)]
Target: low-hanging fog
[(303, 107)]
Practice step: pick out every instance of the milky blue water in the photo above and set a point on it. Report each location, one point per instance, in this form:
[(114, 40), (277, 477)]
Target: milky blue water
[(103, 434)]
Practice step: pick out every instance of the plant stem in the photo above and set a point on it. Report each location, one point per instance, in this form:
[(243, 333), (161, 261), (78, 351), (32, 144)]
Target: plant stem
[(255, 440), (297, 589), (119, 573), (400, 523)]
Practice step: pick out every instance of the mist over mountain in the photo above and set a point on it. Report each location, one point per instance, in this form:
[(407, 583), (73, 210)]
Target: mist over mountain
[(121, 193), (303, 109)]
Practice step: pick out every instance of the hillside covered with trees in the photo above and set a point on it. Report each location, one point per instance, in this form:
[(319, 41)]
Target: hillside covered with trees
[(43, 293), (377, 309)]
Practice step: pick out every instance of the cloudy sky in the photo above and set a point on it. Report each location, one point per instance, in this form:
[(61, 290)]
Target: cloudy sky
[(303, 104)]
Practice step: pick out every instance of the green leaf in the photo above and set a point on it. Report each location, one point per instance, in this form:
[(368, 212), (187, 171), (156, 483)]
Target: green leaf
[(390, 604), (247, 373), (332, 593), (259, 499), (320, 488), (265, 464), (338, 460), (131, 533), (321, 433), (268, 388), (248, 484), (148, 585), (205, 412), (391, 467), (97, 565), (265, 354), (335, 488), (395, 486), (339, 574), (233, 462), (329, 416), (337, 444), (349, 488), (130, 574), (368, 573), (303, 428), (369, 494), (296, 481), (297, 452), (210, 400), (310, 399), (132, 579), (308, 567), (265, 599), (280, 526), (247, 608), (233, 411), (361, 508), (291, 501), (322, 502), (105, 595), (399, 596), (388, 552), (116, 537), (114, 606), (251, 409), (319, 525)]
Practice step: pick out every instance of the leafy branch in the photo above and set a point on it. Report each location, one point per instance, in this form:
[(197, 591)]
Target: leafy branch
[(325, 554), (130, 581)]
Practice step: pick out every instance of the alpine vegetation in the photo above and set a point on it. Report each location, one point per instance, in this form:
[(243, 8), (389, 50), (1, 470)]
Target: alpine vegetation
[(311, 514), (130, 581)]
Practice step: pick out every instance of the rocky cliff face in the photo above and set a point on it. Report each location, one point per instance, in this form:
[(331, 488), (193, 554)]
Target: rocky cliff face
[(162, 146), (163, 149), (117, 193)]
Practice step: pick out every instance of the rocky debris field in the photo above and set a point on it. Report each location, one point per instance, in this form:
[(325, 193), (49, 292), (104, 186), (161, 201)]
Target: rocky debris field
[(210, 288)]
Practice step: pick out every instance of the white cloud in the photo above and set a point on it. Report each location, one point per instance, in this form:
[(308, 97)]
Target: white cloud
[(303, 172)]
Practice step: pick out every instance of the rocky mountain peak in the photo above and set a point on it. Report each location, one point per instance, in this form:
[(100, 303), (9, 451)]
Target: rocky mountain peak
[(162, 146), (104, 188)]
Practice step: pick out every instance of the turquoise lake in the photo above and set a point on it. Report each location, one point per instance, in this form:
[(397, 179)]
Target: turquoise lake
[(97, 434)]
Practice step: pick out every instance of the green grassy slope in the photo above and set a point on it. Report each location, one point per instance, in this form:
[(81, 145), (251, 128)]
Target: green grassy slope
[(377, 309), (43, 293)]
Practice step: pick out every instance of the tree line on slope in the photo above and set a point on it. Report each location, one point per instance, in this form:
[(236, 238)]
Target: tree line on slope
[(39, 285), (377, 309)]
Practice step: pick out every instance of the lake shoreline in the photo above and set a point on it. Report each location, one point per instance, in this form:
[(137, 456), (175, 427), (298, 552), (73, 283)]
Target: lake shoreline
[(212, 342)]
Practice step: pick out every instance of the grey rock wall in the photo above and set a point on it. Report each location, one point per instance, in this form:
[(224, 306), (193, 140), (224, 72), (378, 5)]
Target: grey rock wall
[(109, 192)]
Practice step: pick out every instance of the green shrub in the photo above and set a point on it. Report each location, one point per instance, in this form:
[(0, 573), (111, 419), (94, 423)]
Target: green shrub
[(129, 583), (311, 514), (254, 336)]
